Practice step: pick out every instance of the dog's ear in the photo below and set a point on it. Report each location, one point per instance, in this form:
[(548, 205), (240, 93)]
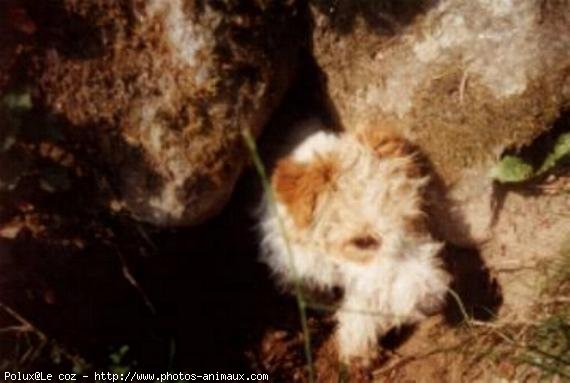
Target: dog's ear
[(297, 185), (385, 143)]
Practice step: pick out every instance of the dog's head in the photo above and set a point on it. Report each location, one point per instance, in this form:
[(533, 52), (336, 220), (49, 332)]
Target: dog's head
[(354, 197)]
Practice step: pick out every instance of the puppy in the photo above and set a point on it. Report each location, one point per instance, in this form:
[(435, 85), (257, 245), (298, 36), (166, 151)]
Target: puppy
[(348, 213)]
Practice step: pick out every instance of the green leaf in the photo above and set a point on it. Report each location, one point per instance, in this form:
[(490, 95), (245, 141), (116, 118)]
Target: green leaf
[(512, 169), (560, 151), (18, 101)]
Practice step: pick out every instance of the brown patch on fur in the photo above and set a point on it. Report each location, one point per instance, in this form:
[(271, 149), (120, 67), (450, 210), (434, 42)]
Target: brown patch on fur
[(385, 143), (415, 170), (298, 185), (416, 225)]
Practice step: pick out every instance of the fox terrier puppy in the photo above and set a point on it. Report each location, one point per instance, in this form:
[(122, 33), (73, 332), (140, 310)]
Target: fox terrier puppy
[(348, 213)]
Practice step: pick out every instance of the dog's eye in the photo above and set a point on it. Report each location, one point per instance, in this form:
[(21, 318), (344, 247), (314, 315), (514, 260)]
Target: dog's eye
[(366, 242)]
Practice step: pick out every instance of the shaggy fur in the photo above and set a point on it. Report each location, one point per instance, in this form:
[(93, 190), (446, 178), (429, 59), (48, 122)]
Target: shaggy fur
[(351, 208)]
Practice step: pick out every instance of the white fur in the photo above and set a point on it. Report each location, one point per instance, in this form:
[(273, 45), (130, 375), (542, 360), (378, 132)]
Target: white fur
[(402, 279), (317, 143)]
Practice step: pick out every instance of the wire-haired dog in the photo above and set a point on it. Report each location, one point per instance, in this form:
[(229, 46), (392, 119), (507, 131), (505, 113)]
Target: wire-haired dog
[(351, 209)]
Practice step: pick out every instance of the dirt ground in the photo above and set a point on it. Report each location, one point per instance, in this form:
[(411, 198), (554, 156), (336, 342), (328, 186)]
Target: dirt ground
[(197, 299)]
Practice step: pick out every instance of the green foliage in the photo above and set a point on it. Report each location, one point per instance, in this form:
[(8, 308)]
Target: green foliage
[(13, 108), (548, 344), (17, 129), (560, 151), (119, 360), (301, 302), (17, 101), (549, 347), (512, 169)]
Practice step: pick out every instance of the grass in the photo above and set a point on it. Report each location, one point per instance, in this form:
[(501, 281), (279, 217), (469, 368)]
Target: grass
[(538, 349), (301, 302), (549, 340), (31, 345)]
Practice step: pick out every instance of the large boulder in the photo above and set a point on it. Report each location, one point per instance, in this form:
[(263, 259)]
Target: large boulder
[(465, 80), (163, 88)]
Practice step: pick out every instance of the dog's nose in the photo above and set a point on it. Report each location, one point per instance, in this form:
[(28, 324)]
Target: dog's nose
[(365, 242)]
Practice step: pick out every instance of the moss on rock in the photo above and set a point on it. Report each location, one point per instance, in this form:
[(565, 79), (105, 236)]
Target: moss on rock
[(166, 86)]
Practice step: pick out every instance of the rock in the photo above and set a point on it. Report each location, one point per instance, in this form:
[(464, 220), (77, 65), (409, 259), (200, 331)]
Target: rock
[(163, 88), (464, 79)]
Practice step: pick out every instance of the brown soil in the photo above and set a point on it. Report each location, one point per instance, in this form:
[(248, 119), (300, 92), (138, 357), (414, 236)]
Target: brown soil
[(91, 279)]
